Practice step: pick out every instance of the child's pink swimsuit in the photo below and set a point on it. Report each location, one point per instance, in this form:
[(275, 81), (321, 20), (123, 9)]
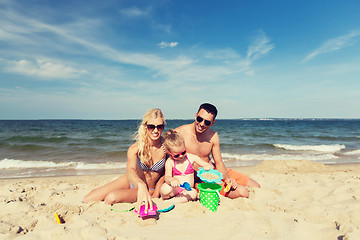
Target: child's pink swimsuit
[(188, 170)]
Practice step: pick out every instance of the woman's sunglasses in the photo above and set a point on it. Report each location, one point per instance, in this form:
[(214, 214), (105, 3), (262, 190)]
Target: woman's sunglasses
[(151, 127), (179, 154), (200, 119)]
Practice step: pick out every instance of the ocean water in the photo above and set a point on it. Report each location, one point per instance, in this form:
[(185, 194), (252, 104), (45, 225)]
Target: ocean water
[(37, 148)]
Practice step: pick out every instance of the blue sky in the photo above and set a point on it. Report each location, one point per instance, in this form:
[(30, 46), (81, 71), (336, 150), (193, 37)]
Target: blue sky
[(116, 59)]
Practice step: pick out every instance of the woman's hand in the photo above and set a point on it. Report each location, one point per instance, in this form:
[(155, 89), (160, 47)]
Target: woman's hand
[(143, 198)]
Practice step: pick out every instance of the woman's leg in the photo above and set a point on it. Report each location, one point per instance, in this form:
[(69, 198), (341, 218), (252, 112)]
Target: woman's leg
[(100, 193), (122, 195)]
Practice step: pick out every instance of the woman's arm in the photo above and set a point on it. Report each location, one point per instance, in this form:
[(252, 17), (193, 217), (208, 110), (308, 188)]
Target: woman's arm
[(160, 182), (143, 196)]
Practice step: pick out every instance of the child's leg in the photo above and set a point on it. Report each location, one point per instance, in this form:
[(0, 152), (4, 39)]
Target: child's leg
[(193, 195), (166, 191), (185, 196)]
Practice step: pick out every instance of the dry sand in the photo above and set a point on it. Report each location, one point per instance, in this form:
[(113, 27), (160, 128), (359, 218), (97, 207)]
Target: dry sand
[(298, 200)]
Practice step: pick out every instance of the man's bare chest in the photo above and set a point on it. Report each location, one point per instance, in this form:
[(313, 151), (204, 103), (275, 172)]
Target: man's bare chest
[(200, 148)]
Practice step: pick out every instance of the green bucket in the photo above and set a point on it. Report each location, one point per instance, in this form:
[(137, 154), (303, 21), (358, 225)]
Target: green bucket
[(209, 195)]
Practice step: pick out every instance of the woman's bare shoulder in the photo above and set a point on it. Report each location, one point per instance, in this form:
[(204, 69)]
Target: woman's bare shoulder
[(133, 148)]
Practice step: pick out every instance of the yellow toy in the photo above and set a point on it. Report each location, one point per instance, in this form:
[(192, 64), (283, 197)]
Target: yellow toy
[(58, 220), (227, 188)]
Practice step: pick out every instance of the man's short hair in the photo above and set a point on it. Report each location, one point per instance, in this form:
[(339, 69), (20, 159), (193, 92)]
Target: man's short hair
[(209, 108)]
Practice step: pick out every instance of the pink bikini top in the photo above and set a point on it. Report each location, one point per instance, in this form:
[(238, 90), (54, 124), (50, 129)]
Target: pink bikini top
[(188, 170)]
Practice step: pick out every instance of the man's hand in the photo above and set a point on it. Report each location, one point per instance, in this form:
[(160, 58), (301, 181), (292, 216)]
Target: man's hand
[(233, 184)]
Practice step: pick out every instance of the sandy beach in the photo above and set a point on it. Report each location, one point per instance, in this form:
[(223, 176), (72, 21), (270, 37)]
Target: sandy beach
[(298, 200)]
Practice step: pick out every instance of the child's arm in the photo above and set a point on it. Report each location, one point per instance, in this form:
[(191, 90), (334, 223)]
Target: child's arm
[(194, 158), (169, 179)]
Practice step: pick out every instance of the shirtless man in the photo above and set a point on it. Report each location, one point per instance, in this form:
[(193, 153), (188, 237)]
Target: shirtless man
[(200, 140)]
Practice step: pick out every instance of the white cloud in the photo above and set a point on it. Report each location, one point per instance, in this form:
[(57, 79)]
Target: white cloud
[(178, 69), (334, 44), (135, 12), (227, 53), (43, 68), (164, 44), (5, 35), (28, 28), (259, 47)]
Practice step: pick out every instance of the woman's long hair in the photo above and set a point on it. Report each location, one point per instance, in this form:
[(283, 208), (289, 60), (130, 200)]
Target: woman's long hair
[(141, 135)]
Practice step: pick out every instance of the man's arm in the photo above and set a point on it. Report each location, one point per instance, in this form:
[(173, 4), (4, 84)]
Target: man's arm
[(196, 159), (220, 166)]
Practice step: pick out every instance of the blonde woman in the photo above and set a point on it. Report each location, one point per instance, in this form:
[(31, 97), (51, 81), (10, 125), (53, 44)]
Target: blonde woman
[(145, 167)]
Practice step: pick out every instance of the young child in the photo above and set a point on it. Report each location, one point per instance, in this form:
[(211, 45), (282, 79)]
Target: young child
[(179, 169)]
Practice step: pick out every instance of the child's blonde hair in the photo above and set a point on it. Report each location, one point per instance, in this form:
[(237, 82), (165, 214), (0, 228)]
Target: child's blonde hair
[(172, 139), (141, 137)]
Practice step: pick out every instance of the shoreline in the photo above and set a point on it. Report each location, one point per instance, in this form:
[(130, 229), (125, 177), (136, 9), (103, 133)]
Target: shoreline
[(297, 200), (123, 170)]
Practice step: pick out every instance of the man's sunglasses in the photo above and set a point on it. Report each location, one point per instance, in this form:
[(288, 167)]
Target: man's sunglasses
[(178, 155), (200, 119), (151, 127)]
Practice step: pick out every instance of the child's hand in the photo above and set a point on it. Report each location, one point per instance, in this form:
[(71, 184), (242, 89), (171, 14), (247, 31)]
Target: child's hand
[(175, 183), (208, 166)]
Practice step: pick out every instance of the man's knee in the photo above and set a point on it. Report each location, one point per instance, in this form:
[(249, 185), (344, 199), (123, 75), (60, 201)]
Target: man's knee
[(240, 191), (253, 183), (244, 192)]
